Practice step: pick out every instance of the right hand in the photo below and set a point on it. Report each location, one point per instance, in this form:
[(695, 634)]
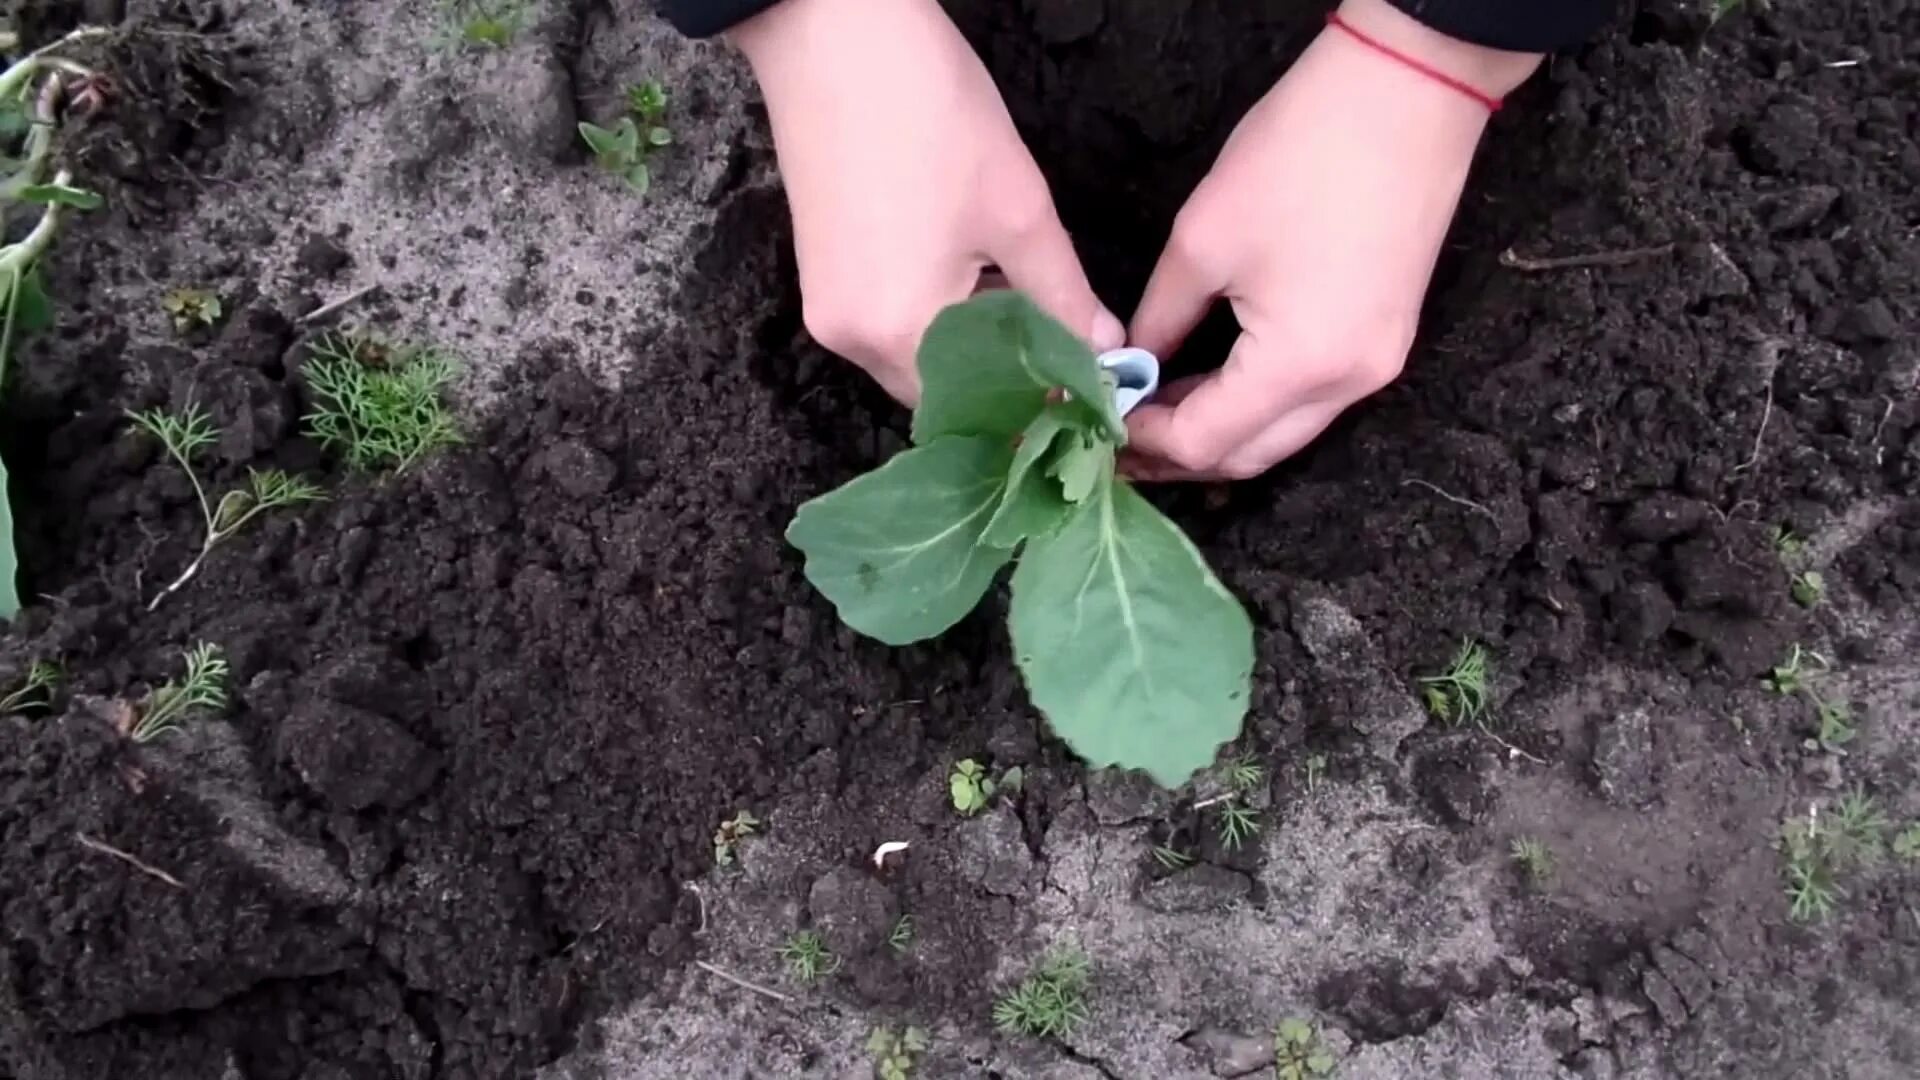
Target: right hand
[(906, 180)]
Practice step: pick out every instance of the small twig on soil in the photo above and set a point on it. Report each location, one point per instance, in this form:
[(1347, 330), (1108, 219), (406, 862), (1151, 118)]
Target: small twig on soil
[(1455, 499), (327, 309), (1512, 750), (1880, 452), (146, 868), (702, 897), (1228, 797), (1766, 414), (742, 983), (1513, 260)]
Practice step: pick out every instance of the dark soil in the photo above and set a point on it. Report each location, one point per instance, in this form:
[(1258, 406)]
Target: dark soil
[(492, 711)]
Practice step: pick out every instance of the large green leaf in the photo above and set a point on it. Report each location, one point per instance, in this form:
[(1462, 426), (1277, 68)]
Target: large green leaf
[(988, 364), (1032, 504), (898, 550), (1135, 652), (9, 564)]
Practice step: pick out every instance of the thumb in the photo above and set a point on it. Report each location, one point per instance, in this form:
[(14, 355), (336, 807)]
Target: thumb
[(1041, 263)]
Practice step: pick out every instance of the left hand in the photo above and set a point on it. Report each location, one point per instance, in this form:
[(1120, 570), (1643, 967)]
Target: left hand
[(1320, 223)]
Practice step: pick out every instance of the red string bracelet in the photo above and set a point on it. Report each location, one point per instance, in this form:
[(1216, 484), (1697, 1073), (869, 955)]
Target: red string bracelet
[(1492, 103)]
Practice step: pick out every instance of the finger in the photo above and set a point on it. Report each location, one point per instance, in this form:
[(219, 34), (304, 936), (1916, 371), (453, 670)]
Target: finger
[(1177, 298), (1286, 437), (1042, 263), (1226, 410)]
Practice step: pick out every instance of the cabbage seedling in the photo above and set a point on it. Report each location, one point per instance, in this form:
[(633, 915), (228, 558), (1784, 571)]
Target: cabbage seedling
[(1129, 646), (626, 148)]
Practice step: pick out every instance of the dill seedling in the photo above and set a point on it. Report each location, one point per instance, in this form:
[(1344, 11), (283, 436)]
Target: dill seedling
[(1238, 821), (1534, 859), (1459, 694), (380, 405), (35, 691), (1051, 1001), (807, 956), (203, 687)]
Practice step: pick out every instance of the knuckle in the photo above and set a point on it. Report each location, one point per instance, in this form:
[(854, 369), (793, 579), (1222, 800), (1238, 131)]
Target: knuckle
[(877, 325), (1193, 454), (1240, 469)]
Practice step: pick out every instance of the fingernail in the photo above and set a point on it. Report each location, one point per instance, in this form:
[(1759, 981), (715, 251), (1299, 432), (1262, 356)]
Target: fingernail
[(1108, 331)]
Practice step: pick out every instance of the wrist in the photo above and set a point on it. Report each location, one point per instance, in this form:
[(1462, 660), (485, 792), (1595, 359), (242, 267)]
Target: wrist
[(1494, 73)]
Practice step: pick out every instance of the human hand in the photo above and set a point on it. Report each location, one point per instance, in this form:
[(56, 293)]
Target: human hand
[(906, 179), (1320, 223)]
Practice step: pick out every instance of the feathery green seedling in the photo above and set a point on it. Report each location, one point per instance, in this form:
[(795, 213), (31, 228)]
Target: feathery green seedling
[(191, 309), (1244, 773), (1796, 672), (1808, 587), (1051, 1001), (480, 24), (1534, 859), (1906, 843), (733, 830), (380, 404), (37, 92), (1459, 694), (1238, 821), (203, 687), (1170, 857), (900, 938), (1298, 1051), (184, 435), (1315, 767), (1819, 850), (1835, 728), (807, 956), (896, 1053), (35, 691), (627, 148)]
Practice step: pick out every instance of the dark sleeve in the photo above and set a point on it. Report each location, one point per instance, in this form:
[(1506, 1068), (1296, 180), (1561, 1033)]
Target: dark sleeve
[(1519, 25), (705, 18)]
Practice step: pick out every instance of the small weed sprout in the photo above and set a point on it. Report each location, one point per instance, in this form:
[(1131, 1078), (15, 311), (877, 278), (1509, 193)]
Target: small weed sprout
[(1786, 543), (1808, 588), (1796, 672), (626, 149), (1238, 821), (969, 788), (203, 687), (807, 956), (1459, 694), (192, 309), (1298, 1051), (1170, 857), (1835, 728), (900, 938), (1818, 852), (896, 1053), (1906, 843), (480, 24), (1315, 767), (1534, 859), (379, 404), (1051, 1001), (184, 435), (728, 836), (1244, 773), (36, 689)]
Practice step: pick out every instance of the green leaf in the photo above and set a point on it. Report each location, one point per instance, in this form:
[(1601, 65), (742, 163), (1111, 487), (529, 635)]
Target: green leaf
[(64, 195), (33, 309), (1080, 466), (898, 550), (987, 365), (9, 563), (640, 179), (1135, 652), (1032, 504), (659, 136)]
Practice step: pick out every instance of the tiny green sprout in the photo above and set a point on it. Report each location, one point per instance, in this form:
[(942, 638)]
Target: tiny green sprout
[(1534, 859), (969, 787), (1298, 1051), (1170, 857), (807, 956), (1906, 843), (1315, 767), (728, 836), (1808, 588), (1051, 1001), (1793, 674), (1238, 821), (1786, 543), (626, 149), (896, 1053), (480, 24), (900, 938), (380, 404), (1459, 694), (35, 690), (191, 309), (203, 687), (1835, 725), (184, 435), (647, 103), (1244, 773)]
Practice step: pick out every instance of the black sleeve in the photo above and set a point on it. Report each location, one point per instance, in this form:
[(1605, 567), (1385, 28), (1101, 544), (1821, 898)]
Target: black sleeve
[(1519, 25), (705, 18)]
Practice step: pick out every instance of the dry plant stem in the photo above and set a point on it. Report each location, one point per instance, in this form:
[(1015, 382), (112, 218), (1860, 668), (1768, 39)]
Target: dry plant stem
[(742, 983), (1512, 750), (1766, 414), (329, 308), (114, 852), (1455, 499), (1513, 260)]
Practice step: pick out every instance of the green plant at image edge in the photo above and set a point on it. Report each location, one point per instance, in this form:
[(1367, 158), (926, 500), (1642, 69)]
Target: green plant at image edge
[(1131, 649)]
